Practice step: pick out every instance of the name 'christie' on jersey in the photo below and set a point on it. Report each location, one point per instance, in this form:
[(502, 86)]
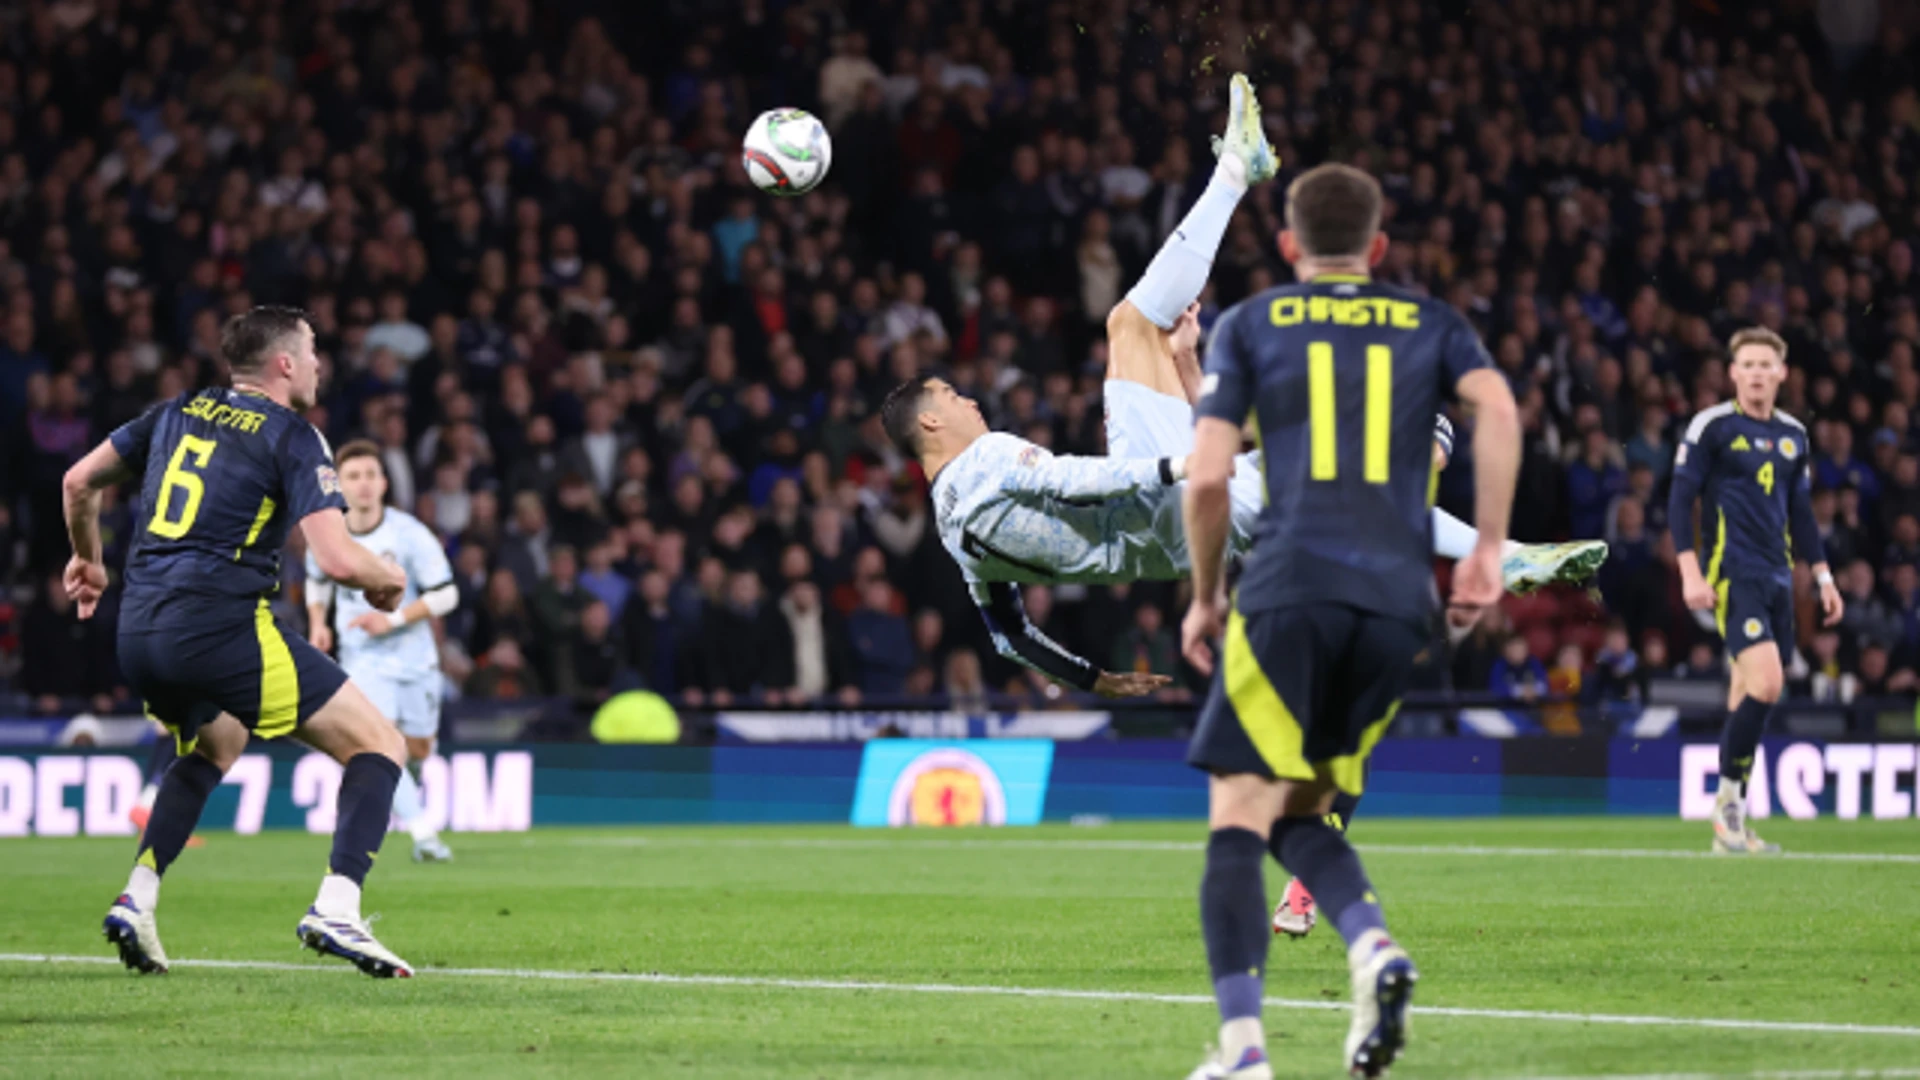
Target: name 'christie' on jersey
[(224, 474), (408, 653), (1343, 377), (1751, 476)]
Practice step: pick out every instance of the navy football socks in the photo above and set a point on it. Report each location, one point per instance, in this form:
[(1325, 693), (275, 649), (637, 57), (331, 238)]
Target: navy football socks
[(1317, 854), (1740, 740), (1233, 916), (176, 811), (366, 807)]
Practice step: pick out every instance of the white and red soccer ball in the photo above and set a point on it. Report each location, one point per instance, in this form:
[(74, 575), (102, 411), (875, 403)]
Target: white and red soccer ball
[(787, 152)]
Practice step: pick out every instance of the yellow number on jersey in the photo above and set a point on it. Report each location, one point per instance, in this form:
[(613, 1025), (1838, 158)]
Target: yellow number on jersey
[(1322, 413), (188, 482), (1765, 476)]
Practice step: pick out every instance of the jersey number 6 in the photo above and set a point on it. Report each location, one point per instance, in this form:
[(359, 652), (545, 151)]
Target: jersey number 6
[(1323, 414), (191, 488)]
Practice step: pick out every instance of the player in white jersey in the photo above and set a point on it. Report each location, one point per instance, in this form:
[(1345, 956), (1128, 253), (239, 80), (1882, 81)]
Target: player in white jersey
[(1010, 512), (394, 658)]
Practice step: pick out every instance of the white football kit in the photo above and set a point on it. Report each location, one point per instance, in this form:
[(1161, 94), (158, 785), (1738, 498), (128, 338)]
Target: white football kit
[(399, 670), (1011, 512)]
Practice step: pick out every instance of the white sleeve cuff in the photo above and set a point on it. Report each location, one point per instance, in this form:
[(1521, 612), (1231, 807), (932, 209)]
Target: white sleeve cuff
[(441, 599)]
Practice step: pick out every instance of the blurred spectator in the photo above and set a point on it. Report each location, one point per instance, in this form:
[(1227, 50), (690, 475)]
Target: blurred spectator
[(882, 644), (590, 660), (1564, 685), (63, 656), (1516, 675), (1147, 645), (822, 665), (745, 647)]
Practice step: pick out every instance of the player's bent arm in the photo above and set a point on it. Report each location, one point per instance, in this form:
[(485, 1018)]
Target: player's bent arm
[(1496, 451), (345, 560), (435, 603), (1075, 478), (101, 469), (1017, 639), (1208, 505)]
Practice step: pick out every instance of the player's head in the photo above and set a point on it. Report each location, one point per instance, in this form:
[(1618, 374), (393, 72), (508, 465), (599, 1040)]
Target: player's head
[(1758, 364), (363, 476), (272, 347), (927, 409), (1333, 215)]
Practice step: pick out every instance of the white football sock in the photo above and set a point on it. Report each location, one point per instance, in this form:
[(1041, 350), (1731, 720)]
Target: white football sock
[(338, 896), (1238, 1034), (143, 888), (1454, 539), (1177, 274), (406, 801)]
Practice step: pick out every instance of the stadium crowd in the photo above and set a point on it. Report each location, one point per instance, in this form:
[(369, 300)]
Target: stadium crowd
[(638, 399)]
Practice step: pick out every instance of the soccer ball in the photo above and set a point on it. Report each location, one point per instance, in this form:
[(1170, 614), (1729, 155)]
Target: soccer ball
[(787, 152)]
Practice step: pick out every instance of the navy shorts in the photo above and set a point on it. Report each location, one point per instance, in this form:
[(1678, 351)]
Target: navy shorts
[(1304, 693), (270, 680), (1749, 611)]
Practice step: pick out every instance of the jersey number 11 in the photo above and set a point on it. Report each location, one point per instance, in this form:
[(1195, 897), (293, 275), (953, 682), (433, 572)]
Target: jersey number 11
[(1323, 414)]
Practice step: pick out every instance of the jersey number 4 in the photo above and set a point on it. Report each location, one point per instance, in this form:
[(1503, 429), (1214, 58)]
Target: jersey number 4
[(187, 482), (1765, 477), (1323, 413)]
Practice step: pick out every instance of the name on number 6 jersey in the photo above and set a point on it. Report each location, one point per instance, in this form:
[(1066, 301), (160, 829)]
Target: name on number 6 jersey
[(1342, 377), (224, 474)]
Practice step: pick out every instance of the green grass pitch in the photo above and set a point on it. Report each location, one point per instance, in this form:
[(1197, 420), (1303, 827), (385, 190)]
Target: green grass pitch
[(1508, 919)]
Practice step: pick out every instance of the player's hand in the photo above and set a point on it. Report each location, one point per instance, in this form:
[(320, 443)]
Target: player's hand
[(1206, 621), (1476, 579), (322, 637), (1699, 595), (85, 581), (385, 599), (373, 622), (1118, 684), (1831, 603)]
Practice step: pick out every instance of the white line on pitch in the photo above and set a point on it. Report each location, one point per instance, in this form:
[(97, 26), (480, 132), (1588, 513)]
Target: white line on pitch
[(1057, 993), (1797, 1074), (694, 840)]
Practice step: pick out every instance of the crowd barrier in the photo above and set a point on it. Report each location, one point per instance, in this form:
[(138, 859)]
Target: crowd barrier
[(964, 782)]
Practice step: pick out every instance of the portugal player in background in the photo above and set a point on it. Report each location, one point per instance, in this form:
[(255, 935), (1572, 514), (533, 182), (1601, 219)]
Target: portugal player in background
[(1747, 463), (393, 657)]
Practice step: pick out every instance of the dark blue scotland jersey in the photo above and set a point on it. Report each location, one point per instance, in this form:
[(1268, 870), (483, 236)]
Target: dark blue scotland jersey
[(1343, 378), (224, 474), (1751, 476)]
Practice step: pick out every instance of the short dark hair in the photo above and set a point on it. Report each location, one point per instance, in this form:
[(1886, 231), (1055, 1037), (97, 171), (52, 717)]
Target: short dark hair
[(900, 414), (1334, 210), (358, 448), (248, 339)]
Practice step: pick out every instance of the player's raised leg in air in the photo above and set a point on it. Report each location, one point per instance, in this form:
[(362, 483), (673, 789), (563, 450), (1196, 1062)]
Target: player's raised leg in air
[(1142, 347)]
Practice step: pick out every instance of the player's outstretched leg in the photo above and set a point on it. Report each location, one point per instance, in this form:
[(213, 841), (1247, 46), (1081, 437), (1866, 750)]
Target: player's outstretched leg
[(352, 732), (1297, 914), (1383, 975), (1524, 567), (130, 924), (1137, 328), (1755, 690)]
